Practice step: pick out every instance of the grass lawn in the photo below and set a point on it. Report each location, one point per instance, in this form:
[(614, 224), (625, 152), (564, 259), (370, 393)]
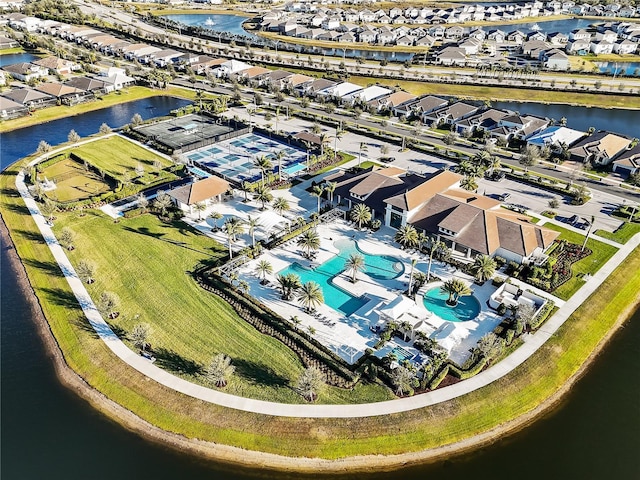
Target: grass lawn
[(73, 181), (127, 95), (601, 253), (622, 234), (116, 155), (504, 93), (518, 393)]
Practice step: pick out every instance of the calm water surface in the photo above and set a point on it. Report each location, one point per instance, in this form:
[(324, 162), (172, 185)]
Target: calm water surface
[(11, 58)]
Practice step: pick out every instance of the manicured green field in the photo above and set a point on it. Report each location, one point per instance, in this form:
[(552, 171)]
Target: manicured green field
[(116, 155), (506, 399), (590, 265), (73, 181), (147, 263), (623, 234), (504, 93)]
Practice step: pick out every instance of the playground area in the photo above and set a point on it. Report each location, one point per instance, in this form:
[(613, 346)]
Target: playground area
[(72, 181)]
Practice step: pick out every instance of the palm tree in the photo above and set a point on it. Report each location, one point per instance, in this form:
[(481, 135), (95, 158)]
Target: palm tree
[(455, 288), (469, 183), (483, 267), (316, 191), (263, 195), (493, 163), (162, 202), (402, 378), (310, 296), (86, 270), (140, 335), (407, 236), (264, 164), (360, 213), (219, 370), (330, 187), (264, 268), (355, 263), (414, 261), (289, 283), (405, 328), (279, 157), (324, 138), (244, 286), (489, 346), (433, 245), (200, 207), (253, 223), (215, 216), (246, 187), (308, 241), (338, 135), (309, 383), (232, 227), (362, 148), (280, 205)]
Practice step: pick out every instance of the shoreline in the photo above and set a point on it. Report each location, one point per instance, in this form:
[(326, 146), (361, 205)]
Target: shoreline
[(235, 456)]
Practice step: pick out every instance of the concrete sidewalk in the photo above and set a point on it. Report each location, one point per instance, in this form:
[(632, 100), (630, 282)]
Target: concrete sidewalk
[(304, 410)]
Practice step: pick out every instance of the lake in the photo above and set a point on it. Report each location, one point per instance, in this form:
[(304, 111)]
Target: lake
[(581, 118), (11, 58), (217, 23), (620, 68), (551, 26), (19, 143)]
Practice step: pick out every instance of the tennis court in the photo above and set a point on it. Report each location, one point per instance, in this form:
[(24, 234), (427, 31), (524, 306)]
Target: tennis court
[(234, 158)]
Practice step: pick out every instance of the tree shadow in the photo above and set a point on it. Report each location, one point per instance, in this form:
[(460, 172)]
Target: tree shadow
[(259, 373), (33, 237), (145, 231), (18, 208), (170, 360), (82, 323), (62, 298), (51, 268)]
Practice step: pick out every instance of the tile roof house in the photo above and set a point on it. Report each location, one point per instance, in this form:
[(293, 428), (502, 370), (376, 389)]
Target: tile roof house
[(628, 162), (25, 71), (450, 114), (555, 136), (87, 84), (209, 190), (10, 109), (66, 94), (29, 97), (599, 148), (390, 102)]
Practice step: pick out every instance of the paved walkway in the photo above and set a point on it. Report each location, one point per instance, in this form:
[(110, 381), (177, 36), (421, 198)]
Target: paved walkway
[(147, 368)]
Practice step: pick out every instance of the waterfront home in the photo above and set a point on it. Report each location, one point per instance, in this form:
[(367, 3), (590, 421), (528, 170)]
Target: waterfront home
[(601, 48), (115, 79), (91, 85), (449, 114), (25, 71), (387, 103), (312, 88), (367, 94), (30, 98), (340, 90), (65, 94), (625, 46), (558, 38), (6, 43), (518, 127), (555, 138), (451, 56), (554, 59), (10, 109), (166, 57), (206, 191), (599, 148), (419, 107), (628, 163), (482, 121), (57, 66)]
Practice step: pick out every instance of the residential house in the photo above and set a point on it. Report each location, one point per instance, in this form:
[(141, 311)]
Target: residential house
[(387, 103), (57, 66), (625, 46), (449, 114), (312, 88), (367, 94), (601, 48), (116, 79), (556, 138), (485, 120), (10, 109), (578, 47), (558, 38), (25, 71), (518, 126), (599, 148), (451, 56), (6, 43), (277, 79), (30, 98), (340, 90), (554, 60), (580, 34), (91, 85), (206, 191), (628, 163), (166, 57), (419, 107), (65, 94)]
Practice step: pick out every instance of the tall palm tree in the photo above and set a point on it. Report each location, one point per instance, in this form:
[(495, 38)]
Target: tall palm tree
[(338, 135), (310, 296), (330, 187), (280, 205), (253, 223), (263, 195), (324, 138), (455, 288), (483, 267), (405, 328), (279, 157), (162, 202), (317, 191), (244, 286), (414, 261), (264, 268), (309, 383), (289, 283), (264, 164), (308, 241), (360, 213), (362, 148), (493, 163), (215, 216), (355, 263), (407, 236), (200, 207), (433, 246), (232, 227), (219, 370), (246, 187)]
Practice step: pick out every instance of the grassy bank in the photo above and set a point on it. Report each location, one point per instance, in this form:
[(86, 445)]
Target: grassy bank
[(516, 394), (128, 95), (503, 93)]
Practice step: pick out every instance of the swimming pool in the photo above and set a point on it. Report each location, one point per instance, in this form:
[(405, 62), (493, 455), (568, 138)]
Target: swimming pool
[(295, 168), (402, 354), (468, 307), (381, 267)]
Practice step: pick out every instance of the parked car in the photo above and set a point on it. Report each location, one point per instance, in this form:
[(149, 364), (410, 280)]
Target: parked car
[(496, 176), (504, 196), (387, 159)]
